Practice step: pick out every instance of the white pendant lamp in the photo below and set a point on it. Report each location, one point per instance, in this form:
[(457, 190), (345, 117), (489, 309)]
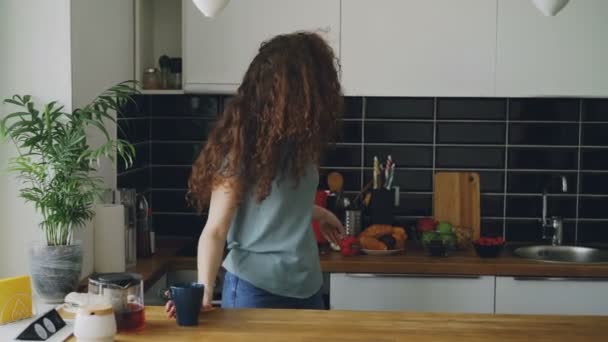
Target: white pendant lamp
[(550, 7), (210, 8)]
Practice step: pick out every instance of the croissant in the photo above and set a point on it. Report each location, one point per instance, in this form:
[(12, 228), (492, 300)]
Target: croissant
[(372, 243), (377, 231)]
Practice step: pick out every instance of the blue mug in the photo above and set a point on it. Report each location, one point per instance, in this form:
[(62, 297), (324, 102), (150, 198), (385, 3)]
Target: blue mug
[(188, 299)]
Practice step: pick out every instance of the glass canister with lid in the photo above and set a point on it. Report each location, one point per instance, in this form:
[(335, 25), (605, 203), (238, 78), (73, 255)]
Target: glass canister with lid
[(125, 292)]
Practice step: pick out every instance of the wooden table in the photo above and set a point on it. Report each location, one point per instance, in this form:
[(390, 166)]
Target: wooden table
[(301, 325)]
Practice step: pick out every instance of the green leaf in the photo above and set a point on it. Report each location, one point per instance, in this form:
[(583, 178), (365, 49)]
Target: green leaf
[(12, 102)]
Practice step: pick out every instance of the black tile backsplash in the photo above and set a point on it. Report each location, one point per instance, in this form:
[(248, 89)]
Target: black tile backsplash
[(594, 134), (174, 153), (594, 159), (399, 108), (535, 182), (543, 134), (180, 129), (470, 157), (544, 109), (543, 158), (471, 109), (595, 110), (341, 156), (470, 133), (515, 144), (399, 132), (492, 205)]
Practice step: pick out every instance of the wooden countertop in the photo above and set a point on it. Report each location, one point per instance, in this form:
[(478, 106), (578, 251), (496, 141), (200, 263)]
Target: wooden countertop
[(303, 325), (415, 261)]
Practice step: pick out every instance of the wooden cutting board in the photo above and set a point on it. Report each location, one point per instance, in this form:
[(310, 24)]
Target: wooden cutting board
[(456, 199)]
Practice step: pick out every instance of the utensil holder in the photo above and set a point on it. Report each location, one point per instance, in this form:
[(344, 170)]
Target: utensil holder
[(381, 206)]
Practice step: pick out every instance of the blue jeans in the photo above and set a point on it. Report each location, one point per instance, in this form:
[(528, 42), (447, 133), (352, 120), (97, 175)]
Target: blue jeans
[(239, 293)]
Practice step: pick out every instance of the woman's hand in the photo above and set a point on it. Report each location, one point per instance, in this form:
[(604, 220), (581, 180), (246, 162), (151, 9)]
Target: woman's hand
[(170, 306), (330, 226), (207, 298), (170, 309)]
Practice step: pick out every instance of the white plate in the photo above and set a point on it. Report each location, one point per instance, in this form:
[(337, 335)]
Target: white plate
[(375, 252)]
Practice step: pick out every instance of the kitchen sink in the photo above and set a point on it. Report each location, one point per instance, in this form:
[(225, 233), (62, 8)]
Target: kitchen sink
[(563, 254)]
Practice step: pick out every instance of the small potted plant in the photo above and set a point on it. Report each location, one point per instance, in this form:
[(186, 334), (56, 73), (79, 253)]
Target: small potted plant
[(57, 168)]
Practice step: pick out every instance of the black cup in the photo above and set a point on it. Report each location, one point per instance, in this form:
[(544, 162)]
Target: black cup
[(188, 298), (382, 206)]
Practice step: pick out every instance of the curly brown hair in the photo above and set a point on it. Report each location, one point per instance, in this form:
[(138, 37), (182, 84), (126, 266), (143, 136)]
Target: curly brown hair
[(290, 98)]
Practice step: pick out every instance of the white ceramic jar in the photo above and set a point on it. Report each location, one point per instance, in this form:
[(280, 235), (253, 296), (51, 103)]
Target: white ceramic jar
[(95, 323)]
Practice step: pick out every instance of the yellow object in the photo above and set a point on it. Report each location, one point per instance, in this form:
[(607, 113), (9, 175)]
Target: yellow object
[(15, 299)]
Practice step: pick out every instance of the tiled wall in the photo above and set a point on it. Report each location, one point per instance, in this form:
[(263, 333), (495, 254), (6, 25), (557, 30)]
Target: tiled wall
[(514, 144)]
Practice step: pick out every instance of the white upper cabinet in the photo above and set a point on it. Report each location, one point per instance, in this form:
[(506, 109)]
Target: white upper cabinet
[(565, 55), (419, 47), (217, 51)]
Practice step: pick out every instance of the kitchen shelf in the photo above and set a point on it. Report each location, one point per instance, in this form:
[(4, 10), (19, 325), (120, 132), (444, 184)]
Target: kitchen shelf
[(162, 91), (158, 31)]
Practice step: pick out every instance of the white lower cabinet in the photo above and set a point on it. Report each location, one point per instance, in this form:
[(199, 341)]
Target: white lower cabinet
[(379, 292), (559, 296)]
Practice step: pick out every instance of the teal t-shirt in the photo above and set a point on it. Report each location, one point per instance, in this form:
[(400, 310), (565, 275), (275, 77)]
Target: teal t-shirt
[(271, 244)]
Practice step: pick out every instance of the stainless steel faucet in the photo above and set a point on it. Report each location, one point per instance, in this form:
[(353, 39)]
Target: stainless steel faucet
[(554, 224)]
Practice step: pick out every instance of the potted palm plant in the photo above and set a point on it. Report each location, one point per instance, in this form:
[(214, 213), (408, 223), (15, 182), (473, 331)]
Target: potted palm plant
[(57, 168)]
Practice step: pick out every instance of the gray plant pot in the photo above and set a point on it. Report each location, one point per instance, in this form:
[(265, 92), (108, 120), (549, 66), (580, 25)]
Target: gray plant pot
[(55, 270)]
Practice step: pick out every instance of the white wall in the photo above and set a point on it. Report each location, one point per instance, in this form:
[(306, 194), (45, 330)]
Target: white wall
[(102, 56), (62, 50), (34, 59)]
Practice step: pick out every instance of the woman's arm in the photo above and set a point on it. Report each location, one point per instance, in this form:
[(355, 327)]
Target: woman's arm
[(330, 225), (213, 238)]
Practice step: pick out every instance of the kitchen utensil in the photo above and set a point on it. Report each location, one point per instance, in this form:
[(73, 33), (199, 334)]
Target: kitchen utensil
[(143, 227), (376, 172), (335, 182), (128, 198), (387, 170), (125, 292), (188, 298), (165, 70), (176, 73), (390, 177), (382, 253), (151, 79), (456, 199), (95, 323), (352, 222)]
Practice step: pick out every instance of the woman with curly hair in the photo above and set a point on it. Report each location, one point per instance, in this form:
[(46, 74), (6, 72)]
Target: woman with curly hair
[(258, 174)]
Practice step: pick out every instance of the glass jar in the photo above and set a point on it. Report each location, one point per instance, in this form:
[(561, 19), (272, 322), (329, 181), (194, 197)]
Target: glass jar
[(125, 292), (151, 79)]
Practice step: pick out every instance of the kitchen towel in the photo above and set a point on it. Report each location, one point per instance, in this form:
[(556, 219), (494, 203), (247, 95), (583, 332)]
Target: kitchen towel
[(110, 242)]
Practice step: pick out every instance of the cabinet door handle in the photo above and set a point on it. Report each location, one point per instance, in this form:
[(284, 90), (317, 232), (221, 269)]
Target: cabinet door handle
[(389, 275), (558, 279)]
